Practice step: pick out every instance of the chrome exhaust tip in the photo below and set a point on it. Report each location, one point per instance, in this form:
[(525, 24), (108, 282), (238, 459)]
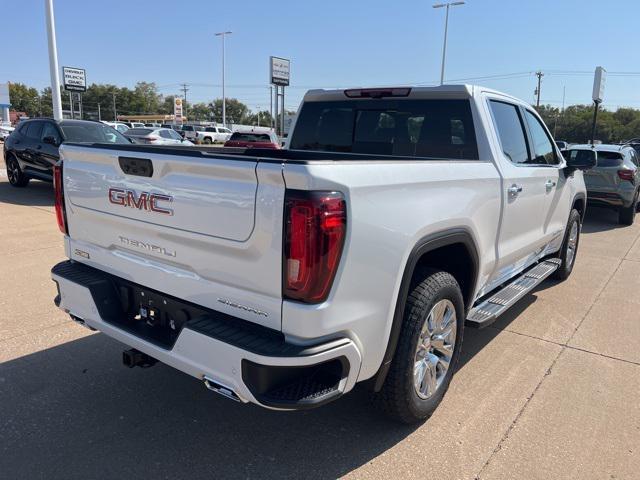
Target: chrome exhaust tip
[(221, 389)]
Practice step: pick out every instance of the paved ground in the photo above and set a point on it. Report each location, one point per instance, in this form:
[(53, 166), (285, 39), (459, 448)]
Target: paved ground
[(551, 391)]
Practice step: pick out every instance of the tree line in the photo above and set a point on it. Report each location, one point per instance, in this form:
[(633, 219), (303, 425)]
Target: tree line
[(573, 124), (103, 101)]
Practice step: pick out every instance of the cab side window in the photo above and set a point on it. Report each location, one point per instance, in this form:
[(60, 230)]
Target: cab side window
[(508, 123), (544, 152)]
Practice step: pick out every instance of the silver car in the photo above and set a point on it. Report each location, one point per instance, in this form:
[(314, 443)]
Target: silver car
[(615, 181), (156, 136)]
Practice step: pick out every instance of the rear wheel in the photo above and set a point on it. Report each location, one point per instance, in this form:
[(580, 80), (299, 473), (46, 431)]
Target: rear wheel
[(626, 216), (569, 246), (428, 349), (16, 176), (208, 141)]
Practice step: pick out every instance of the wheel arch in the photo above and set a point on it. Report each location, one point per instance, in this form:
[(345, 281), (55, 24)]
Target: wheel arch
[(580, 203), (432, 251)]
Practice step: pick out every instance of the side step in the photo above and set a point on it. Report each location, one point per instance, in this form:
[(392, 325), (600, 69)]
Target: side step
[(489, 310)]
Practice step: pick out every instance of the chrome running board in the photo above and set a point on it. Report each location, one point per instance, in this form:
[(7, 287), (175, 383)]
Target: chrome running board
[(489, 310)]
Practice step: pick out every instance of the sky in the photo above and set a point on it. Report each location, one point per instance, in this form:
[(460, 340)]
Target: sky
[(495, 43)]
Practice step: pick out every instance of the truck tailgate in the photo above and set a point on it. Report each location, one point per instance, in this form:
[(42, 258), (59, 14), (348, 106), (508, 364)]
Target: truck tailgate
[(205, 228)]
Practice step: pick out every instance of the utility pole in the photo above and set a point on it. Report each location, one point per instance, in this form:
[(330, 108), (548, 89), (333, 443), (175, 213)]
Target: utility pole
[(446, 27), (537, 92), (271, 105), (224, 98), (185, 90), (99, 116), (115, 113), (53, 60)]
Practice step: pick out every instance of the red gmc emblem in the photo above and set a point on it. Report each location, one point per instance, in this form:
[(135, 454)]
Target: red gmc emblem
[(145, 201)]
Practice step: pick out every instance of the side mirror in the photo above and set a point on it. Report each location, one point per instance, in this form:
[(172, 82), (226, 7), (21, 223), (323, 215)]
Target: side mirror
[(51, 140), (580, 159)]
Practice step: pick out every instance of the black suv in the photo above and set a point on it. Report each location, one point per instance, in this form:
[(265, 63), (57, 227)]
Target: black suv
[(32, 148)]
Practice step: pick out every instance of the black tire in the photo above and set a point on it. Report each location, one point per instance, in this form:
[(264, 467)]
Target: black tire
[(17, 178), (398, 397), (568, 259), (207, 141), (627, 215)]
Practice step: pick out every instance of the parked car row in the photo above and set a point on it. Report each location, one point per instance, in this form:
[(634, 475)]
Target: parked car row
[(156, 136)]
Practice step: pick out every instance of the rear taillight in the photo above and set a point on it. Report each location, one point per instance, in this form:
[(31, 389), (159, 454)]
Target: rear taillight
[(315, 230), (151, 139), (61, 214), (626, 175)]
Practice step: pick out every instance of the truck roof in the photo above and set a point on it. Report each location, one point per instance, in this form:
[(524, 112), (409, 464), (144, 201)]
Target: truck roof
[(457, 91)]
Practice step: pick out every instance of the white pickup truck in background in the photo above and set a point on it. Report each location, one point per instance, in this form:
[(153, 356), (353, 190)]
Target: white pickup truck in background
[(214, 135), (394, 217)]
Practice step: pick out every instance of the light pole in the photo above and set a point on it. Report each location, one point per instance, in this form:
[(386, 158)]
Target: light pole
[(224, 99), (446, 26), (53, 60)]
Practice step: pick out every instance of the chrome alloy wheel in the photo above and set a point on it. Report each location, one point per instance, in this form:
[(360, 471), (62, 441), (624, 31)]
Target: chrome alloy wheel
[(13, 171), (435, 349), (572, 244)]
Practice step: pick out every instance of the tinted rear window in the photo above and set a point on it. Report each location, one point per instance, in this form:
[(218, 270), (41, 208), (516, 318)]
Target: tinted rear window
[(609, 159), (414, 128), (250, 137)]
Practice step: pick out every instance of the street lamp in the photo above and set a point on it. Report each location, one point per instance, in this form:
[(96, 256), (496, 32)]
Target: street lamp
[(224, 99), (446, 26)]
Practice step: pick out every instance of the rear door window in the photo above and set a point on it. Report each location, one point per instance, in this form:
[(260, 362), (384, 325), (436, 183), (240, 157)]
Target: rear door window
[(34, 130), (510, 128), (441, 129), (543, 148)]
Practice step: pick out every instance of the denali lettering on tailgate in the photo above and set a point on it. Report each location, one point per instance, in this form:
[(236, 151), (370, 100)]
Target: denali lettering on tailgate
[(147, 246), (145, 201)]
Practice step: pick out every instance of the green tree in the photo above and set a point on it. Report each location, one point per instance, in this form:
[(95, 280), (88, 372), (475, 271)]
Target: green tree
[(199, 112), (237, 112), (24, 99)]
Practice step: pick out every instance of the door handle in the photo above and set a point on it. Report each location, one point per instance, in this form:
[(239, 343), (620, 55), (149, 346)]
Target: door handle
[(550, 184), (514, 190)]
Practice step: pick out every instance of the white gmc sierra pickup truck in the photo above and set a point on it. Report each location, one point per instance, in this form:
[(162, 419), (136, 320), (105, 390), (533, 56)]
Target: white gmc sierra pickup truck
[(394, 217)]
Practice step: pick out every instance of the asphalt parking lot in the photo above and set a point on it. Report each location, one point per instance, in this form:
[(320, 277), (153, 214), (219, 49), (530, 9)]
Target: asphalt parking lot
[(550, 391)]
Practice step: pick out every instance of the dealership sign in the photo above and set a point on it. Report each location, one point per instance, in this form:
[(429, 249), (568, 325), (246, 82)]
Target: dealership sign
[(177, 109), (75, 79), (599, 81), (280, 70)]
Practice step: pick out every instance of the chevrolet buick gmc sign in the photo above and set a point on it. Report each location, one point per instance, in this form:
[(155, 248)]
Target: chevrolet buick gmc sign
[(75, 79), (280, 71)]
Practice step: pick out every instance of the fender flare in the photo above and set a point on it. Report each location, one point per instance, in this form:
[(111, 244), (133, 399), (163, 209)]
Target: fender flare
[(424, 245), (580, 196)]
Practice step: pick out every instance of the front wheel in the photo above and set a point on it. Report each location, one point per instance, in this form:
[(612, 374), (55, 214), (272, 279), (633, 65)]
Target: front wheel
[(17, 178), (569, 246), (428, 349)]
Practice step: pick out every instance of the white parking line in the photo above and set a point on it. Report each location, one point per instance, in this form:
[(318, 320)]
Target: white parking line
[(3, 173)]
